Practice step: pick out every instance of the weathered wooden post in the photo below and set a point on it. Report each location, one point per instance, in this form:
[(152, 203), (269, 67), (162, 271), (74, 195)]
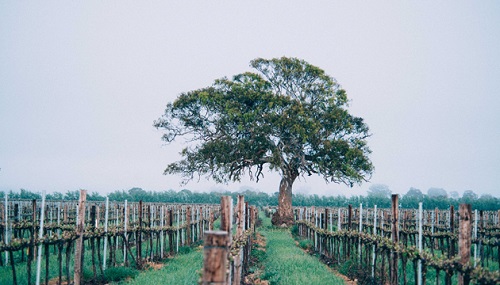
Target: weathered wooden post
[(125, 234), (464, 240), (395, 239), (178, 231), (240, 215), (325, 227), (31, 254), (6, 223), (419, 277), (451, 243), (339, 223), (139, 238), (240, 225), (106, 216), (451, 251), (374, 233), (349, 218), (226, 215), (226, 224), (210, 219), (79, 242), (188, 227), (360, 230), (215, 257), (162, 217), (170, 223), (475, 237)]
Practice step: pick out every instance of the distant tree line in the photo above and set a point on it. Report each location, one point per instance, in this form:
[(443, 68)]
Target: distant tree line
[(378, 194)]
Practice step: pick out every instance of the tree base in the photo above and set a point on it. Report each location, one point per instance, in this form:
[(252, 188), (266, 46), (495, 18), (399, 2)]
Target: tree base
[(282, 220)]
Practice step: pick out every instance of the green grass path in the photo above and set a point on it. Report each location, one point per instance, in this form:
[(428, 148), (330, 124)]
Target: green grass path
[(182, 269), (285, 263)]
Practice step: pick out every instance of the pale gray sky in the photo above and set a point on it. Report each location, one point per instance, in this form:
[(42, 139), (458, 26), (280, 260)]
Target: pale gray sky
[(81, 83)]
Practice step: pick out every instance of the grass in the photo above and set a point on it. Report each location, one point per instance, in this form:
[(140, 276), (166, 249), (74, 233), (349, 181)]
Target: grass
[(183, 269), (285, 263)]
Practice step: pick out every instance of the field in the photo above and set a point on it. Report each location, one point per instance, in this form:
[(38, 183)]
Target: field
[(161, 243)]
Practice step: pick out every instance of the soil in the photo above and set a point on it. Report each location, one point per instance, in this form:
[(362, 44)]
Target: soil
[(259, 243)]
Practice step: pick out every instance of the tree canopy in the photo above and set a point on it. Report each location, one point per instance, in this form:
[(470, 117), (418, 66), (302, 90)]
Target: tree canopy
[(289, 116), (379, 190)]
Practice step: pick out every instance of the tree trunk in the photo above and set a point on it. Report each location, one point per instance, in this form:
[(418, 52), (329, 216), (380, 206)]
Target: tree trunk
[(284, 215)]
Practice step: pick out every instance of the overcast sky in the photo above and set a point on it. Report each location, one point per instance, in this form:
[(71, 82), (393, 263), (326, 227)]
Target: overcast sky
[(81, 84)]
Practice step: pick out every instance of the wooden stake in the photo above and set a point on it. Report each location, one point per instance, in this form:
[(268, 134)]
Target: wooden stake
[(464, 239), (79, 242), (106, 216), (419, 277), (226, 223), (139, 238), (395, 239), (215, 257)]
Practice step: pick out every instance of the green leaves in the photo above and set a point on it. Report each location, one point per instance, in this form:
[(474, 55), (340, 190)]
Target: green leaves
[(290, 116)]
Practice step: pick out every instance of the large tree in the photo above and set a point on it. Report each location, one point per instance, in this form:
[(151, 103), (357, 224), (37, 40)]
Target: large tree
[(289, 116)]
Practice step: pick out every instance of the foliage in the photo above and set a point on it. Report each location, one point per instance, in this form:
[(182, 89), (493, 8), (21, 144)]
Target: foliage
[(290, 116), (306, 244), (437, 192), (114, 274), (469, 196), (379, 191)]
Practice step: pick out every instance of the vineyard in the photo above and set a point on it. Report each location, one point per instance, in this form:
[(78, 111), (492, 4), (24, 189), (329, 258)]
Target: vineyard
[(77, 242), (115, 233), (406, 246)]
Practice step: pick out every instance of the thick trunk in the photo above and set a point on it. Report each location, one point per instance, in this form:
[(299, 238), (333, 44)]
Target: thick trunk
[(284, 215)]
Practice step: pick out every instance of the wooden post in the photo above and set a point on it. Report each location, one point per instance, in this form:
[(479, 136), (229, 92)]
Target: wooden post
[(139, 238), (240, 224), (374, 233), (79, 242), (31, 254), (395, 239), (325, 227), (210, 219), (188, 223), (106, 216), (226, 224), (420, 210), (327, 213), (464, 239), (215, 257), (451, 249), (65, 213), (360, 230), (339, 223), (162, 217), (349, 218), (178, 231), (6, 226), (170, 223), (125, 234), (226, 205), (475, 237), (240, 215), (248, 216)]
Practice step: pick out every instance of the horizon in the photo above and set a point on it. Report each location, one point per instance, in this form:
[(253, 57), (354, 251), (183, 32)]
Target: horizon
[(241, 190)]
